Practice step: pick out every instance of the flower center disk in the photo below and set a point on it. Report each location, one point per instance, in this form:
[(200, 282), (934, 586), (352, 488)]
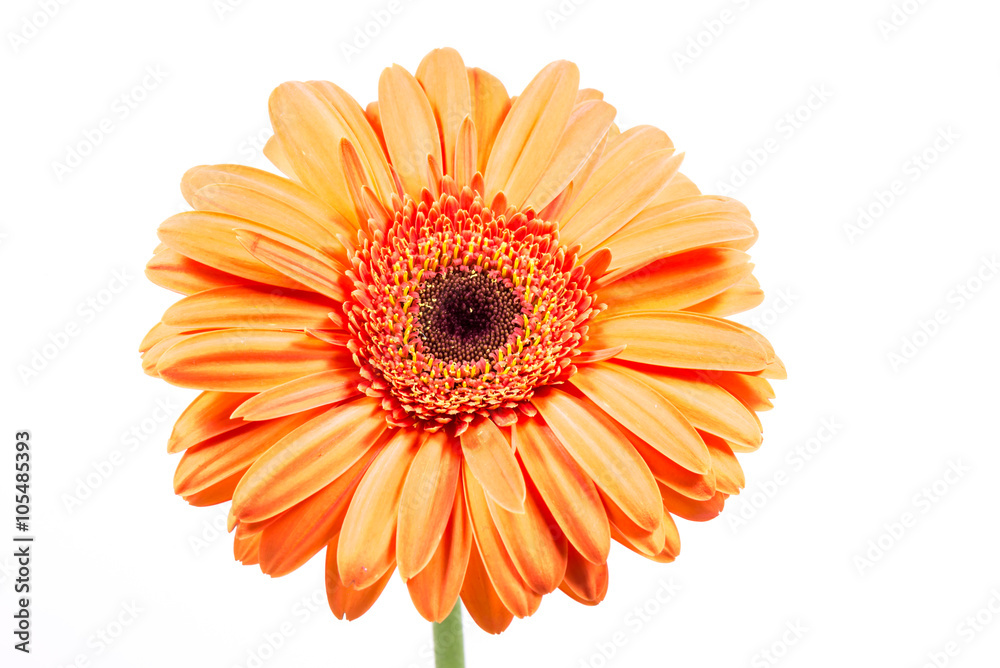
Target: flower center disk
[(461, 309), (465, 315)]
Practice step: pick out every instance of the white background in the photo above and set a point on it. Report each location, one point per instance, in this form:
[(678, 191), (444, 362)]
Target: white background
[(793, 552)]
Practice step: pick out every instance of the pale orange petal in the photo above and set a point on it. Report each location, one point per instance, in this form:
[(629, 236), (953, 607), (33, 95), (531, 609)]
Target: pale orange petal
[(345, 602), (621, 200), (676, 282), (645, 412), (411, 132), (480, 596), (491, 460), (304, 462), (568, 492), (290, 539), (318, 389), (207, 416), (246, 360), (299, 263), (436, 588), (443, 75), (531, 132), (250, 306), (587, 126), (368, 538), (603, 452), (426, 502), (510, 587), (679, 339), (210, 238), (173, 271), (490, 106)]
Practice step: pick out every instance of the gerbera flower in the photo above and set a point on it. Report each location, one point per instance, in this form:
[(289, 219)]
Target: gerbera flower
[(466, 337)]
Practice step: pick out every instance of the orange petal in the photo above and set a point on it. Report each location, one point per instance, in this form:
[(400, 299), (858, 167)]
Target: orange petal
[(237, 200), (728, 472), (426, 502), (510, 587), (361, 134), (272, 186), (646, 542), (619, 152), (246, 547), (347, 603), (290, 539), (213, 495), (304, 462), (248, 306), (707, 406), (490, 106), (207, 416), (210, 238), (585, 582), (299, 263), (465, 153), (368, 538), (491, 460), (679, 339), (753, 391), (225, 455), (741, 297), (246, 360), (692, 485), (588, 124), (689, 509), (534, 542), (530, 133), (568, 492), (676, 282), (594, 441), (645, 412), (621, 200), (308, 131), (411, 132), (480, 596), (173, 271), (435, 589), (445, 81), (317, 389), (660, 233)]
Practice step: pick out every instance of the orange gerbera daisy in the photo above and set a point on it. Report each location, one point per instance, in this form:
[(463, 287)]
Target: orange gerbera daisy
[(466, 337)]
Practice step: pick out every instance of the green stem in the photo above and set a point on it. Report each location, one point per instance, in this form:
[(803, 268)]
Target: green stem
[(448, 646)]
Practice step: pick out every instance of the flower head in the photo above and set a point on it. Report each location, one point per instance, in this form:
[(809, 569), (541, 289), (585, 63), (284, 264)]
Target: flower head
[(466, 338)]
